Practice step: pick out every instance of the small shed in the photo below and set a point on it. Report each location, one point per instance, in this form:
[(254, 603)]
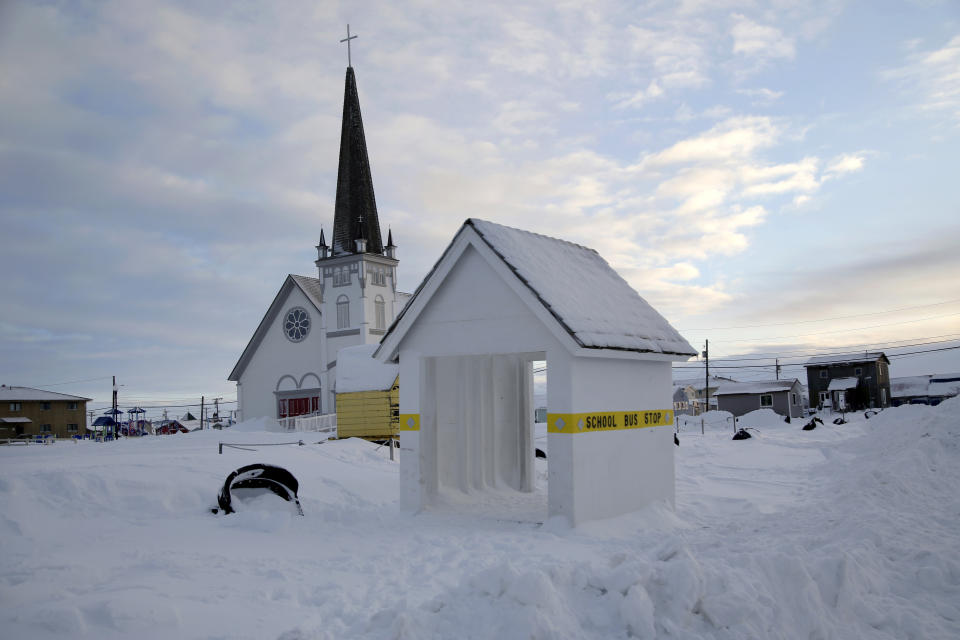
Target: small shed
[(785, 397), (498, 300), (368, 395)]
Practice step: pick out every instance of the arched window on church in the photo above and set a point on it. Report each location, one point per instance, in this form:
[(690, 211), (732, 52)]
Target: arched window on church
[(380, 310), (343, 312)]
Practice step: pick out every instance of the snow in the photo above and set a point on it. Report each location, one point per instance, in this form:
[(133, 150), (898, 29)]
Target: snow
[(846, 358), (909, 386), (764, 386), (578, 286), (945, 385), (358, 371), (846, 531), (842, 384)]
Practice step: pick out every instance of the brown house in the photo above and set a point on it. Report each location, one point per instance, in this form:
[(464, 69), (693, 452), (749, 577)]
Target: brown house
[(849, 381), (27, 411)]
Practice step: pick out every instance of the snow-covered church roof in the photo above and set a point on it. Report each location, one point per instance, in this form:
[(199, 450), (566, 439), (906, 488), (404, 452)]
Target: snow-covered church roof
[(582, 292)]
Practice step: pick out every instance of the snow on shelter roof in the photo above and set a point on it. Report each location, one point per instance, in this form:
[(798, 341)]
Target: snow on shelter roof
[(591, 300), (358, 371), (847, 358), (842, 384)]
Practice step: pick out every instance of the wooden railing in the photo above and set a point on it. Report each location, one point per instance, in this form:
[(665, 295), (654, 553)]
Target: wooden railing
[(310, 422)]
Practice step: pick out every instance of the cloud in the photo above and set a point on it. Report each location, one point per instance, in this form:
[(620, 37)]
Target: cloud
[(846, 163), (760, 41), (733, 138), (652, 92), (931, 79), (162, 167), (762, 96)]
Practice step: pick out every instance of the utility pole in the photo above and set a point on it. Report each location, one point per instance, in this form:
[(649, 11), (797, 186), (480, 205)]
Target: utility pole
[(114, 415), (201, 412), (778, 368), (706, 377)]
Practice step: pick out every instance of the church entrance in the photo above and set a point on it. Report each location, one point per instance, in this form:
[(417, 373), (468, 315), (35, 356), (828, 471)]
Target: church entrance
[(291, 406)]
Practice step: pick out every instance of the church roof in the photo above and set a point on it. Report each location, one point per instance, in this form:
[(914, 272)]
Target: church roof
[(584, 295), (355, 210), (313, 292)]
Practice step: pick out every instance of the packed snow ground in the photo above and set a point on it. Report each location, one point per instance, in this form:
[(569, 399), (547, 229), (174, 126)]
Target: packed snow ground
[(846, 531)]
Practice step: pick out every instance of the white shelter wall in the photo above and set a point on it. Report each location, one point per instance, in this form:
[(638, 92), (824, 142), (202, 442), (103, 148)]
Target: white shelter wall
[(607, 473), (479, 433), (276, 357), (475, 312)]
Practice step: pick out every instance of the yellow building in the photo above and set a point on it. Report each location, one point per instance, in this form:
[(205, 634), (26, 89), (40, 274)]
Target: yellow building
[(27, 411), (368, 395)]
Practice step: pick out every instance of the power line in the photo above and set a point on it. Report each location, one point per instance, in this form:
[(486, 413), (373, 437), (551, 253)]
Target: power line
[(766, 366), (822, 333), (60, 384), (169, 406), (856, 315), (838, 350)]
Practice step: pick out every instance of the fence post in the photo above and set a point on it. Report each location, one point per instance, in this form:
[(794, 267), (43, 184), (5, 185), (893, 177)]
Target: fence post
[(701, 426), (391, 448), (221, 448)]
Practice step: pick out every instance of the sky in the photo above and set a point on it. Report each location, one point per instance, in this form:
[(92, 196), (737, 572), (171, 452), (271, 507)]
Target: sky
[(778, 178)]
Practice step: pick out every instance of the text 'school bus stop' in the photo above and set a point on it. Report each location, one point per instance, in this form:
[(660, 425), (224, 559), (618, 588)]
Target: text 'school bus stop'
[(497, 300)]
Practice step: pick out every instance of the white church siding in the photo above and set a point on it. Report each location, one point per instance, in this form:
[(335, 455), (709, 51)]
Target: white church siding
[(279, 364)]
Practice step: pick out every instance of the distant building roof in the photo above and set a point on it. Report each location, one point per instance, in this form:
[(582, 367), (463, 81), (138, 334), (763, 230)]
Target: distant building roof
[(847, 358), (27, 394), (909, 386), (843, 384), (358, 371), (697, 383), (945, 385), (759, 386)]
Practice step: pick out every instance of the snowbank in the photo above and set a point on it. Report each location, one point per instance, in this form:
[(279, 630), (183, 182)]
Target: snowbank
[(842, 532)]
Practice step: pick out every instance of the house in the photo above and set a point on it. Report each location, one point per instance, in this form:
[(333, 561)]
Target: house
[(925, 389), (288, 367), (368, 395), (688, 394), (849, 381), (499, 300), (909, 390), (943, 386), (785, 397), (28, 411)]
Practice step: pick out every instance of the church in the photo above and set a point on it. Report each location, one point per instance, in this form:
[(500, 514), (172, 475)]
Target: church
[(289, 366)]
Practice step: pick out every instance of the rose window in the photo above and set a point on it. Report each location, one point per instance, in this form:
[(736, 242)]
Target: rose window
[(296, 325)]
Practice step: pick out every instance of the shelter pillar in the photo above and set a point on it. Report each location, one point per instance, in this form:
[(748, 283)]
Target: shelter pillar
[(610, 435), (413, 372)]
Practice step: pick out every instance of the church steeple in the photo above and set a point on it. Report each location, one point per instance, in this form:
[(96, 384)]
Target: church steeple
[(355, 210)]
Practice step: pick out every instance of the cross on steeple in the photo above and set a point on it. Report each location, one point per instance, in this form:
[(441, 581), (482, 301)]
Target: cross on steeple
[(347, 40)]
